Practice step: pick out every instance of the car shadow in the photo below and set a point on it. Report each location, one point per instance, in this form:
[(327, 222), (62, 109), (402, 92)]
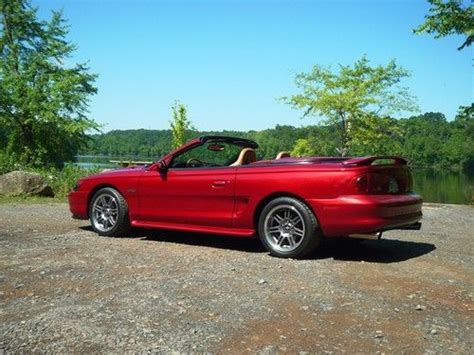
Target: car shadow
[(376, 251), (249, 245)]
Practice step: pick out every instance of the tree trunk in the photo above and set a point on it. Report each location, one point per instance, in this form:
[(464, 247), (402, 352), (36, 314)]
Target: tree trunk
[(344, 149), (27, 141)]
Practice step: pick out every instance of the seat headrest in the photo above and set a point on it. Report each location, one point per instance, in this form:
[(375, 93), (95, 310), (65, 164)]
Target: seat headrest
[(283, 155)]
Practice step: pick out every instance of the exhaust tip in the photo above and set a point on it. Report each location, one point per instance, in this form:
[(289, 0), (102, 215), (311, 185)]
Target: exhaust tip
[(367, 236)]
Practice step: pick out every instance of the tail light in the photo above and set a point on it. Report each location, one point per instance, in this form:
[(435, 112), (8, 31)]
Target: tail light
[(377, 183)]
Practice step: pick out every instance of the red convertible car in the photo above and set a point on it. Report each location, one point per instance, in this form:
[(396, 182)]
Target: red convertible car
[(215, 184)]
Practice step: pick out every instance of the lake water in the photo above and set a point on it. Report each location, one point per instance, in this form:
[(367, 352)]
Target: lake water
[(444, 186), (435, 185)]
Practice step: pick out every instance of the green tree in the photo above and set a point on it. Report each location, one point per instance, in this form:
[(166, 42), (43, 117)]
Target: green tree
[(303, 148), (43, 101), (353, 99), (449, 17), (424, 138), (317, 141), (180, 125), (428, 140), (460, 147), (378, 136)]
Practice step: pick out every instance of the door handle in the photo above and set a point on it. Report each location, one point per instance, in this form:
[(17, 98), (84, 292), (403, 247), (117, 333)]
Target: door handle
[(219, 183)]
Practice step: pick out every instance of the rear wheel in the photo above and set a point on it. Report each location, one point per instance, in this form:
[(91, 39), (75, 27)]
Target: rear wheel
[(108, 213), (288, 228)]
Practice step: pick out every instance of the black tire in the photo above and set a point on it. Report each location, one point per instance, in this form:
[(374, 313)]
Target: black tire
[(101, 217), (305, 233)]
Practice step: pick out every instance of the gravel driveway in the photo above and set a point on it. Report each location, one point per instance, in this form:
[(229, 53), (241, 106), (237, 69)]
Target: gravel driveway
[(65, 289)]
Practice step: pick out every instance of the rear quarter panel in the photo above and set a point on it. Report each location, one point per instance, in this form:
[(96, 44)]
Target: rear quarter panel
[(254, 185)]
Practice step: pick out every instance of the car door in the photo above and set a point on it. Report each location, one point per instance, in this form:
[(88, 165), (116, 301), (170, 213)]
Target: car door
[(188, 195)]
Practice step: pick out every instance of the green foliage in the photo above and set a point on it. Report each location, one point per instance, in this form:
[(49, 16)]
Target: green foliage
[(61, 180), (354, 99), (317, 141), (143, 143), (64, 179), (130, 143), (8, 162), (462, 138), (43, 102), (272, 141), (378, 136), (428, 140), (424, 137), (303, 148), (180, 125), (449, 17)]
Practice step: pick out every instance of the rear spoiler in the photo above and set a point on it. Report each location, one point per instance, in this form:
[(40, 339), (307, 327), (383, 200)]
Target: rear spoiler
[(366, 161)]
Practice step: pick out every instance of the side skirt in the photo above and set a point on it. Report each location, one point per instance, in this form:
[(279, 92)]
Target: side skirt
[(194, 228)]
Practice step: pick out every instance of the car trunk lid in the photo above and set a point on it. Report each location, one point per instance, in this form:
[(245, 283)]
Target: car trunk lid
[(382, 175)]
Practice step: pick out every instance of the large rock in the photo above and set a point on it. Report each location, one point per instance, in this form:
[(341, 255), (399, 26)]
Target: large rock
[(17, 183)]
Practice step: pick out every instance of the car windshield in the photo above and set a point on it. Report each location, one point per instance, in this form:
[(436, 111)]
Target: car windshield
[(209, 154)]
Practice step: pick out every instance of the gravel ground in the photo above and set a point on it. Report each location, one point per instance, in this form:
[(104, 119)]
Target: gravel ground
[(65, 289)]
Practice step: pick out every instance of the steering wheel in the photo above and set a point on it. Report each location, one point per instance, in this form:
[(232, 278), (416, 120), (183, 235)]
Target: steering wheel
[(194, 163)]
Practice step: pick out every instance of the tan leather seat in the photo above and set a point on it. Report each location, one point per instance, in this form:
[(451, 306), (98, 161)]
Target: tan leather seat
[(246, 156), (282, 155)]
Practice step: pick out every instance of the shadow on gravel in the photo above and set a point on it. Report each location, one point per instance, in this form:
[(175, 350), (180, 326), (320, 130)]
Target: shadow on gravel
[(249, 245), (375, 251)]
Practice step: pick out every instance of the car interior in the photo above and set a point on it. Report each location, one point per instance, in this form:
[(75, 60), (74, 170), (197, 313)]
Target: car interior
[(246, 156), (209, 156), (282, 155)]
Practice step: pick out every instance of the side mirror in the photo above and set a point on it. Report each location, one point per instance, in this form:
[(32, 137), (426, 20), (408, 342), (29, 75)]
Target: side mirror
[(162, 167)]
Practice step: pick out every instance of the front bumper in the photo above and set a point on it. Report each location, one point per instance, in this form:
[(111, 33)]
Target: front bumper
[(78, 204), (362, 214)]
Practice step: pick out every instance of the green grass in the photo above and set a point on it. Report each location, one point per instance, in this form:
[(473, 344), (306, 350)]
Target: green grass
[(61, 181)]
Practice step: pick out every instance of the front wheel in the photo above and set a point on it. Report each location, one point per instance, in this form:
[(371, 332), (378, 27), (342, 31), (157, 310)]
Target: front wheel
[(288, 228), (108, 213)]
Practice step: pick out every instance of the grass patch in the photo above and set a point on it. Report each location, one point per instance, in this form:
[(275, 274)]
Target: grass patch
[(61, 181)]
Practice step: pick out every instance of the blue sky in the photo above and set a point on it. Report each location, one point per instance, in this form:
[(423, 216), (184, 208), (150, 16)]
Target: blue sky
[(230, 60)]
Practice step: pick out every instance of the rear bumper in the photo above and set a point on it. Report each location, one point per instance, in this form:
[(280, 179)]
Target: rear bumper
[(367, 213), (78, 204)]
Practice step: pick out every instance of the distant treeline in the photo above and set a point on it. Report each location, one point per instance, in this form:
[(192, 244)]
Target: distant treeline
[(428, 140)]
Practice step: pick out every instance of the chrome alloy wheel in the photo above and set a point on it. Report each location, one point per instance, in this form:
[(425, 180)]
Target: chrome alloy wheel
[(284, 228), (104, 212)]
